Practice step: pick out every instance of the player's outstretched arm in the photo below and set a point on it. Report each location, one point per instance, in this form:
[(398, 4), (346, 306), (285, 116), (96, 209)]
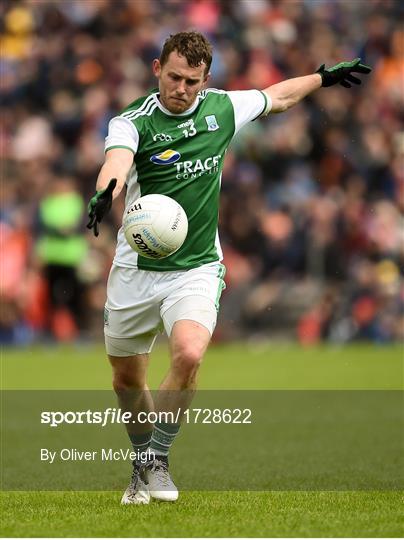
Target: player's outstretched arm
[(110, 182), (287, 93)]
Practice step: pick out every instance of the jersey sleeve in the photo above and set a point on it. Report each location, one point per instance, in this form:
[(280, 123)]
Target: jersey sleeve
[(248, 105), (122, 134)]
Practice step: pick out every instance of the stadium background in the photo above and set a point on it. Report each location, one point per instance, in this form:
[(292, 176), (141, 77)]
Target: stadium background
[(311, 198)]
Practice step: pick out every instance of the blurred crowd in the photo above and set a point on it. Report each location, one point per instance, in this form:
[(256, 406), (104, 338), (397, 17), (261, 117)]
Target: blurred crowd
[(312, 199)]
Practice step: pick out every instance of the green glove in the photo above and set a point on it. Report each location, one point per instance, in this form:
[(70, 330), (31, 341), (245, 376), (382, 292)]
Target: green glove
[(100, 205), (342, 73)]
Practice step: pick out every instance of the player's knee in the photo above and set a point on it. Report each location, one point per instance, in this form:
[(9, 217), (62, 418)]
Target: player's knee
[(186, 360), (125, 381)]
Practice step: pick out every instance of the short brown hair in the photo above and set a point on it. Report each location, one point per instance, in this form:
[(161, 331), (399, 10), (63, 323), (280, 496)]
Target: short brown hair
[(193, 45)]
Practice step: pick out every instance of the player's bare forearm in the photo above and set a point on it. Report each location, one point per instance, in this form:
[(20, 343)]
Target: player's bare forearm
[(118, 162), (288, 93)]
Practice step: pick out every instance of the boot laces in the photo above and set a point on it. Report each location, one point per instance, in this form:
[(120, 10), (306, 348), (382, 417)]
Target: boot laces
[(160, 468)]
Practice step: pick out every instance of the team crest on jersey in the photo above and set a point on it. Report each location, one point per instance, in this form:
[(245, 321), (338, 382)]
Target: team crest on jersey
[(165, 158), (212, 122)]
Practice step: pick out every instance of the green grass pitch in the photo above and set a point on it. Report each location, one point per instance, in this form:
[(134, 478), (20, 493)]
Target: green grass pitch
[(210, 514)]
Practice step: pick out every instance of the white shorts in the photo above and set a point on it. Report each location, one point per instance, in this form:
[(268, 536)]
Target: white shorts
[(141, 303)]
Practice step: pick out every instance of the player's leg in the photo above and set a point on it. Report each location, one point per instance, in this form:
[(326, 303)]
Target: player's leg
[(189, 315), (189, 340), (129, 383), (131, 323), (190, 323)]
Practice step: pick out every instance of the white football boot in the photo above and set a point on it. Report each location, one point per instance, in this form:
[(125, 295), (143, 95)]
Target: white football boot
[(137, 492), (159, 481)]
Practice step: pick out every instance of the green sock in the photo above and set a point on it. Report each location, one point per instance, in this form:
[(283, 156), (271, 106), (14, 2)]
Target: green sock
[(163, 436), (140, 442)]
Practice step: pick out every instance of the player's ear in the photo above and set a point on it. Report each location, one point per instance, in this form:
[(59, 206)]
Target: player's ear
[(156, 67), (206, 78)]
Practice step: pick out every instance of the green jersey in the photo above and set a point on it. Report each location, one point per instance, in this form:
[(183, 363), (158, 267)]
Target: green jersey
[(182, 156)]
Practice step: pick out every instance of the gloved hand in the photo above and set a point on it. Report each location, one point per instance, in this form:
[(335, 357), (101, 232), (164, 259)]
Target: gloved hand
[(342, 73), (100, 205)]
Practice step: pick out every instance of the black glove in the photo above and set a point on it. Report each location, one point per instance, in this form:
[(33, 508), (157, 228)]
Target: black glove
[(100, 205), (342, 73)]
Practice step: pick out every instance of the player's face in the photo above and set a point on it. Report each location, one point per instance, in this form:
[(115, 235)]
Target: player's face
[(179, 83)]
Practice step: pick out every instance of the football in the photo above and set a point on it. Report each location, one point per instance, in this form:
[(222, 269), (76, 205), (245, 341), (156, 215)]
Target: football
[(155, 226)]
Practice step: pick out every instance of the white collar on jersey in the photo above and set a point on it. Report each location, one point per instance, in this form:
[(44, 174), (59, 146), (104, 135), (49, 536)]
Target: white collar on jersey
[(166, 111)]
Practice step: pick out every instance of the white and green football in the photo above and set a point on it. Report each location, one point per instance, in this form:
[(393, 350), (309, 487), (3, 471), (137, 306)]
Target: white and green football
[(155, 226)]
